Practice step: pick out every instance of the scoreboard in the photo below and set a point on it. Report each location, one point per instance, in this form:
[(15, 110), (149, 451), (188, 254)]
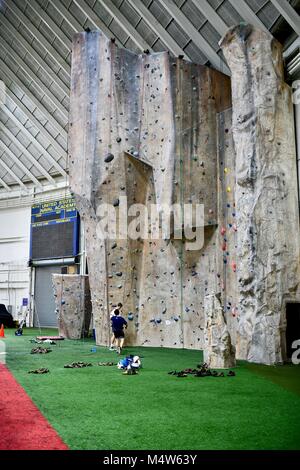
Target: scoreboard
[(54, 230)]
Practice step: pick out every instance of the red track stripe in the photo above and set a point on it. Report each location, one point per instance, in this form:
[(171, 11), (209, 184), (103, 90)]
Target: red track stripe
[(22, 425)]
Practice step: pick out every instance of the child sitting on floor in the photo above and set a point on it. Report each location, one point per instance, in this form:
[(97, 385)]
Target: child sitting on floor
[(130, 363)]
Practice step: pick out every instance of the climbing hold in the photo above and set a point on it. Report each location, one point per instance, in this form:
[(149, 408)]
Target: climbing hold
[(233, 265), (228, 189), (116, 203), (223, 231), (109, 158), (130, 316), (225, 170)]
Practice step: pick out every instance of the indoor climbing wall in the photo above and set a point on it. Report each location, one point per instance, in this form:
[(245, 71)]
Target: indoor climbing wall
[(228, 225), (146, 127), (73, 304), (267, 237)]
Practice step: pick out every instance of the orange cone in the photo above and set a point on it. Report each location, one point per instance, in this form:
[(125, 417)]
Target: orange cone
[(2, 335)]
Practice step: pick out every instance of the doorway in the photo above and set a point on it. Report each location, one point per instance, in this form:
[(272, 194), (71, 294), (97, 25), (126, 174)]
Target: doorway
[(292, 326)]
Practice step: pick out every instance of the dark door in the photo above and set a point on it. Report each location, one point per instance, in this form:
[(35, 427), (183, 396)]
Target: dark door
[(292, 327)]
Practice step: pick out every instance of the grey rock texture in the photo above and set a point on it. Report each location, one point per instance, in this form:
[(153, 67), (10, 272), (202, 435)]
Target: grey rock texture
[(265, 192), (219, 353), (73, 304)]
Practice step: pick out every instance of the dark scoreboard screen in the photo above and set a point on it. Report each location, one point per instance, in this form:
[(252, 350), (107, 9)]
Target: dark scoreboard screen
[(54, 230)]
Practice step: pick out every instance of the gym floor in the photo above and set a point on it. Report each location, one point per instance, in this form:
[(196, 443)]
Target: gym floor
[(100, 408)]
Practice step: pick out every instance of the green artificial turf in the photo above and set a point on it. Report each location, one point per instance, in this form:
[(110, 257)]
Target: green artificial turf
[(99, 408)]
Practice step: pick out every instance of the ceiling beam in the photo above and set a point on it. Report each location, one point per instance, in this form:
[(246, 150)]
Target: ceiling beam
[(29, 49), (40, 38), (212, 16), (35, 142), (66, 15), (4, 69), (248, 14), (77, 27), (25, 152), (125, 24), (33, 77), (14, 100), (42, 14), (12, 173), (19, 164), (289, 13), (5, 185), (93, 17), (195, 36), (158, 29)]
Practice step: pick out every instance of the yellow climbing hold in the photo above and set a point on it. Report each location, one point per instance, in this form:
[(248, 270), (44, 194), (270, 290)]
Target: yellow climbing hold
[(228, 189), (226, 170)]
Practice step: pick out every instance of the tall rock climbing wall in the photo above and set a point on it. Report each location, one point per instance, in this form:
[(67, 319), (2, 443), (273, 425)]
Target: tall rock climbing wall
[(267, 238), (146, 127), (73, 304), (161, 131)]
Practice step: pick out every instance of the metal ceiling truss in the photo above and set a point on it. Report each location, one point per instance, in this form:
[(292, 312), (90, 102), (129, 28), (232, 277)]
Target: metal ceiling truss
[(17, 103), (35, 142), (26, 45), (33, 77), (16, 160), (158, 29), (289, 13), (41, 63), (248, 14), (26, 153), (195, 36), (124, 23), (5, 70), (12, 173), (40, 38)]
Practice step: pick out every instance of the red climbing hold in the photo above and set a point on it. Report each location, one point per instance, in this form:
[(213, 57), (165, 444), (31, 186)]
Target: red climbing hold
[(233, 265), (223, 231)]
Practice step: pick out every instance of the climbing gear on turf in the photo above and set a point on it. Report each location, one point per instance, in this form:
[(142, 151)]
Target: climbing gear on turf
[(77, 365), (42, 370), (40, 350), (107, 364), (202, 371)]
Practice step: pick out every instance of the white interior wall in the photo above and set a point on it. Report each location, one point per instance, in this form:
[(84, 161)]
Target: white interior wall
[(14, 255), (15, 215)]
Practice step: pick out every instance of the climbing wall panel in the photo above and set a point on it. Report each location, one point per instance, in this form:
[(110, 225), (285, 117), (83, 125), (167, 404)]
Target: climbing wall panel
[(145, 127)]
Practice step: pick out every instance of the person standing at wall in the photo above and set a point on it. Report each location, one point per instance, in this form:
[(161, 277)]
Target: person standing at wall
[(118, 324), (112, 314)]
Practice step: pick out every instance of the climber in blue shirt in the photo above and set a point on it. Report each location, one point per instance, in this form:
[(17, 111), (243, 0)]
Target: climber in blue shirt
[(117, 324)]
